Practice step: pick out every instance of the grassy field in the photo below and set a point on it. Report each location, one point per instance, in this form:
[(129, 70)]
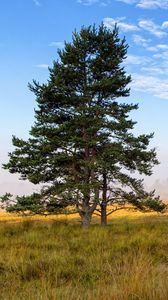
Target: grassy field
[(57, 260)]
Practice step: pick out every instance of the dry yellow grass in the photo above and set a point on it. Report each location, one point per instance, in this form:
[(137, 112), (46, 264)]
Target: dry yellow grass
[(124, 214), (12, 217)]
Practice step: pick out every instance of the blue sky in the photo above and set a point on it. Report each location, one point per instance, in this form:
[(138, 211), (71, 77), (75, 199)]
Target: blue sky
[(33, 30)]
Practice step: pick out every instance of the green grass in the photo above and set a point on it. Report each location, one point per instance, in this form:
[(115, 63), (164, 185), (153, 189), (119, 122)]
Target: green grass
[(56, 261)]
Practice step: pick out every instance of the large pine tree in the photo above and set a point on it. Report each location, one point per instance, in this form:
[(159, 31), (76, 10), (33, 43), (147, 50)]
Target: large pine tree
[(82, 138)]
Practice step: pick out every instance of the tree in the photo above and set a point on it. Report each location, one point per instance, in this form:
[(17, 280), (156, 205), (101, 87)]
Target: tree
[(81, 133)]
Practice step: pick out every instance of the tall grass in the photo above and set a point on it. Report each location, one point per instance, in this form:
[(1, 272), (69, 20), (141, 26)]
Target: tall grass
[(56, 261)]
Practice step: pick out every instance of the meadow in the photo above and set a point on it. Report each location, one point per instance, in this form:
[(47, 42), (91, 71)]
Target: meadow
[(57, 260)]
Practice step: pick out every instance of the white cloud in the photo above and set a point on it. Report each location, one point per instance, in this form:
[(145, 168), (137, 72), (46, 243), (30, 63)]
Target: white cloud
[(153, 28), (57, 44), (148, 4), (162, 47), (139, 40), (137, 60), (42, 66), (105, 3), (110, 22), (163, 55), (147, 25), (128, 1), (158, 87), (87, 2), (151, 4), (165, 24), (154, 70), (37, 3), (91, 2), (152, 48)]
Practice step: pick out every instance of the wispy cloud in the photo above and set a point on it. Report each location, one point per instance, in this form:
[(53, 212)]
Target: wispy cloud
[(158, 87), (153, 28), (154, 70), (163, 55), (128, 1), (162, 46), (42, 66), (147, 25), (152, 4), (57, 44), (141, 41), (91, 2), (152, 48), (37, 3), (124, 26), (137, 60), (148, 4), (165, 24)]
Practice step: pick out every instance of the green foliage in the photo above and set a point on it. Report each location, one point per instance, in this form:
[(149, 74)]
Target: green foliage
[(146, 202), (36, 203)]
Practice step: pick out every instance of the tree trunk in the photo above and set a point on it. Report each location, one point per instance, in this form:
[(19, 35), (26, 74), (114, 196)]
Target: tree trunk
[(104, 213), (104, 201), (86, 219)]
